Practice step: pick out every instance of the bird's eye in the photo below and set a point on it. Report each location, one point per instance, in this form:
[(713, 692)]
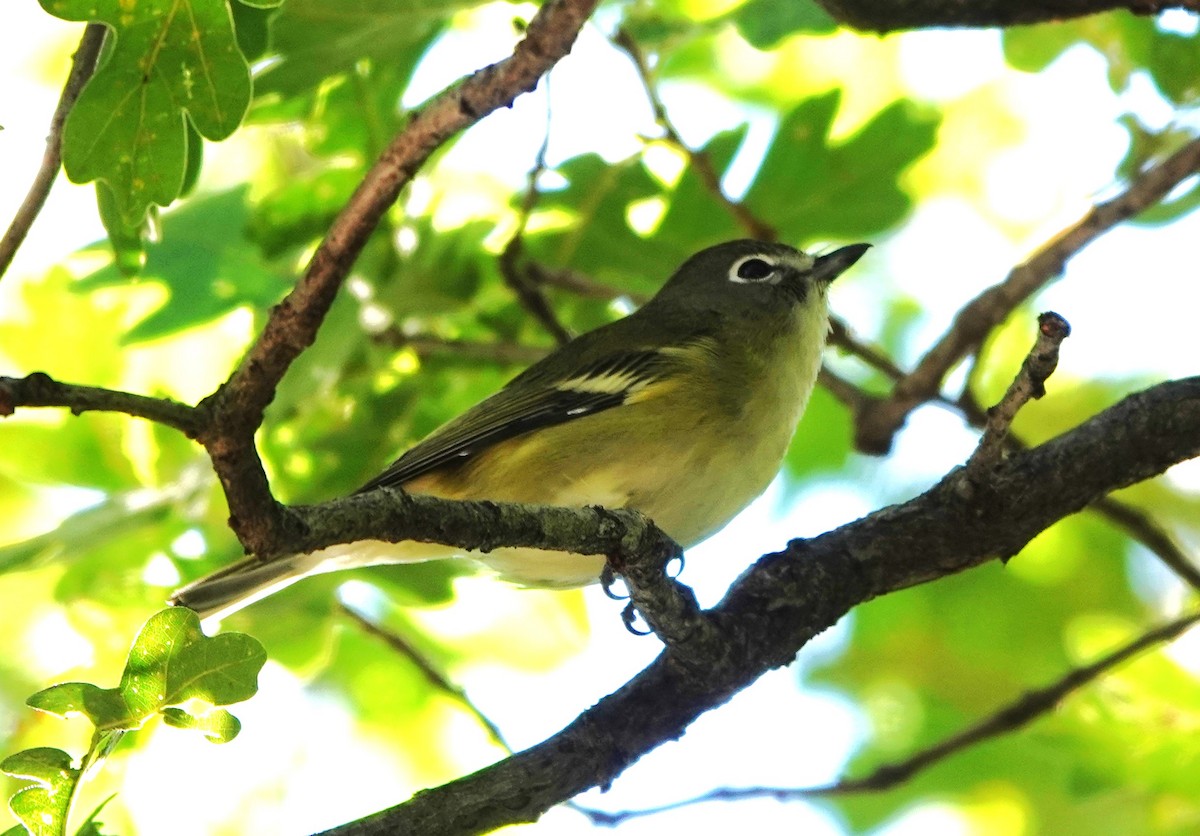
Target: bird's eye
[(752, 269)]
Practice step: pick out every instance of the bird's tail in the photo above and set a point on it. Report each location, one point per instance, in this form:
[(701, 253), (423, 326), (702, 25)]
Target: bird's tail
[(238, 585)]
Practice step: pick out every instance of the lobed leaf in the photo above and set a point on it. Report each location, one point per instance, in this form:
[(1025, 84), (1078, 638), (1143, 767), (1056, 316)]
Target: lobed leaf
[(166, 61)]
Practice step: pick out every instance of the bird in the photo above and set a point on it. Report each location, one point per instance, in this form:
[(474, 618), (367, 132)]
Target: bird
[(682, 410)]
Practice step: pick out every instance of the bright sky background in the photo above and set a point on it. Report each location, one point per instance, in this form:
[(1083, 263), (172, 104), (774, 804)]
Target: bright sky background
[(773, 733)]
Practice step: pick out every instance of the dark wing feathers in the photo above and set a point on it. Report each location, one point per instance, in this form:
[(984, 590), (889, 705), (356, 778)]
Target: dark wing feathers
[(532, 400)]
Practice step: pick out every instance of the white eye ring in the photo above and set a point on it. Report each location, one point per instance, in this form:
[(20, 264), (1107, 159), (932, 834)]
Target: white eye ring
[(749, 270)]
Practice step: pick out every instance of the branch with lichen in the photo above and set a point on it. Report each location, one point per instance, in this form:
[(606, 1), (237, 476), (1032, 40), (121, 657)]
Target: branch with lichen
[(1010, 718), (787, 598)]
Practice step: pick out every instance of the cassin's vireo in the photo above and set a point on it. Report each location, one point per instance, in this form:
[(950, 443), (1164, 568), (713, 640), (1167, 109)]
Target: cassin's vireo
[(682, 410)]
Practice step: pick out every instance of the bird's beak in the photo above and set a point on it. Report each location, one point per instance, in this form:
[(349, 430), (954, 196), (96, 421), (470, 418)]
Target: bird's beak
[(831, 265)]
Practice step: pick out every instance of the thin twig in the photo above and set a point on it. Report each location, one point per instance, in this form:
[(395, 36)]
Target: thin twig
[(520, 277), (82, 67), (1017, 714), (699, 160), (881, 18), (1030, 383), (876, 427), (435, 677), (840, 336), (1138, 525), (39, 389)]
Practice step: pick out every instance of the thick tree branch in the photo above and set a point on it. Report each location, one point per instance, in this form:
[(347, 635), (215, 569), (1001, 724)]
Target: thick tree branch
[(1132, 520), (787, 598), (878, 423), (879, 16), (83, 65), (1016, 715)]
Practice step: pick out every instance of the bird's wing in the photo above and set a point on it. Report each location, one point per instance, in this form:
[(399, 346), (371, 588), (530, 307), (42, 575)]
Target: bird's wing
[(533, 400)]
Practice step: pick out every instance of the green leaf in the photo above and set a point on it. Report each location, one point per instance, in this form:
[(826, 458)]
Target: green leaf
[(219, 726), (811, 189), (171, 662), (128, 240), (764, 23), (104, 707), (167, 58), (251, 25), (43, 807)]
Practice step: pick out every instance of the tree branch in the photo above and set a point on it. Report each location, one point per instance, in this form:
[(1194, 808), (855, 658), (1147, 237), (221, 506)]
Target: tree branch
[(882, 17), (1138, 525), (521, 277), (878, 424), (82, 66), (1132, 520), (1016, 715), (787, 598), (39, 389), (1030, 383), (235, 411)]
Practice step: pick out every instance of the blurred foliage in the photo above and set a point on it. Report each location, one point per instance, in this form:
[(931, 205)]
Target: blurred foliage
[(811, 128)]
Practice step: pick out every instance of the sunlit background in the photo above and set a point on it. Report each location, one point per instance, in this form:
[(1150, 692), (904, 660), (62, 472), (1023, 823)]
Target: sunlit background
[(1019, 157)]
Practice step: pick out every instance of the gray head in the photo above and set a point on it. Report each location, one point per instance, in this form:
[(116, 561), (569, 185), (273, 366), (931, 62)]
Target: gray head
[(751, 276)]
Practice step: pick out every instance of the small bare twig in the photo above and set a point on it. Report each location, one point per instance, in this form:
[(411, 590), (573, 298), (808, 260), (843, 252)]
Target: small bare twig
[(1030, 383), (435, 677), (1138, 525), (700, 161), (877, 426), (840, 336), (848, 393), (82, 67), (521, 278), (1012, 717)]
